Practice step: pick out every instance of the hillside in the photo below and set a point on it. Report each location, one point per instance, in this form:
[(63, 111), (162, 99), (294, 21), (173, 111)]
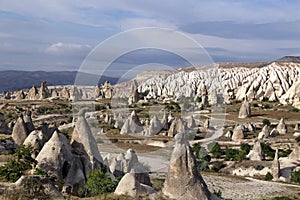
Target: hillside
[(15, 80)]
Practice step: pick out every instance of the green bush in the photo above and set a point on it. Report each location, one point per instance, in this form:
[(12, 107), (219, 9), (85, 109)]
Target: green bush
[(217, 166), (215, 149), (245, 147), (297, 139), (269, 152), (284, 153), (266, 122), (203, 165), (295, 176), (230, 154), (98, 183), (268, 177), (15, 168)]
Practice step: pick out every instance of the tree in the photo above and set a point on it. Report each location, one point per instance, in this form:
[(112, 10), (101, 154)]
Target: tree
[(98, 183)]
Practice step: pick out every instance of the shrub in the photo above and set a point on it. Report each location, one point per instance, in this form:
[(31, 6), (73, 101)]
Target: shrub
[(297, 139), (295, 176), (70, 119), (259, 167), (269, 152), (217, 166), (98, 183), (268, 177), (266, 122), (203, 165), (215, 149), (284, 153), (15, 168), (245, 147), (218, 193), (230, 154), (268, 106)]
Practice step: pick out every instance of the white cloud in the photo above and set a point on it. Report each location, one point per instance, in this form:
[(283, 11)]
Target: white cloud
[(67, 49)]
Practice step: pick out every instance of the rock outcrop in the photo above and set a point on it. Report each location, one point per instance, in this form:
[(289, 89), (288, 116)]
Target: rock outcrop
[(183, 180), (132, 124), (276, 167), (281, 127), (28, 121), (84, 138), (295, 155), (130, 185), (20, 132), (257, 152), (245, 110), (155, 126), (238, 133), (3, 125)]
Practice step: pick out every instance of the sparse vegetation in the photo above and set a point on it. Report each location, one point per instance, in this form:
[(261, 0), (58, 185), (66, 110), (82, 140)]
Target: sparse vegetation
[(295, 177), (98, 183), (268, 177), (266, 122), (16, 167)]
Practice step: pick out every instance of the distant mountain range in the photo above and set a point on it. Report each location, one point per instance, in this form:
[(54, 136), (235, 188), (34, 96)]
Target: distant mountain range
[(15, 80)]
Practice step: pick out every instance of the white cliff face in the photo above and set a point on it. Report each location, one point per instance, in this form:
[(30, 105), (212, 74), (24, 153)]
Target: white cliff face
[(275, 81)]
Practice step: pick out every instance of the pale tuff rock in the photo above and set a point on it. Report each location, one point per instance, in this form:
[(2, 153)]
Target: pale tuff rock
[(281, 127), (132, 124), (34, 139), (19, 132), (56, 156), (82, 134), (296, 127), (155, 126), (107, 90), (97, 92), (276, 167), (134, 96), (183, 180), (32, 94), (256, 153), (3, 125), (170, 118), (192, 122), (265, 132), (229, 134), (119, 121), (65, 93), (130, 185), (272, 82), (28, 121), (206, 123), (116, 166), (54, 93), (295, 155), (238, 133), (178, 126), (44, 91), (245, 110), (20, 95)]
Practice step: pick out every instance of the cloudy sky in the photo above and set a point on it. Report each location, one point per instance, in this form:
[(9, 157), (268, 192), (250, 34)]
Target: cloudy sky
[(59, 34)]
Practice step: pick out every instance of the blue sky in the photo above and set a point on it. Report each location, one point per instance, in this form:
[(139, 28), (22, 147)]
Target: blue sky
[(59, 34)]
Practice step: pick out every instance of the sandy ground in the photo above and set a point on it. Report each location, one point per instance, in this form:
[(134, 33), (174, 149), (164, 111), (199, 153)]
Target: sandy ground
[(238, 188)]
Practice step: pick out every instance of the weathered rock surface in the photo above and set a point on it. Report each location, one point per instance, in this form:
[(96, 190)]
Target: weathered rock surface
[(19, 132), (238, 133), (183, 180), (276, 167), (295, 155), (256, 153), (82, 135), (281, 127), (130, 185), (245, 110), (132, 124)]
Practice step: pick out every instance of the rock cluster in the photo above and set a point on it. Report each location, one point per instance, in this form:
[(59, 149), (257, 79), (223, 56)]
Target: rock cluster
[(183, 180)]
